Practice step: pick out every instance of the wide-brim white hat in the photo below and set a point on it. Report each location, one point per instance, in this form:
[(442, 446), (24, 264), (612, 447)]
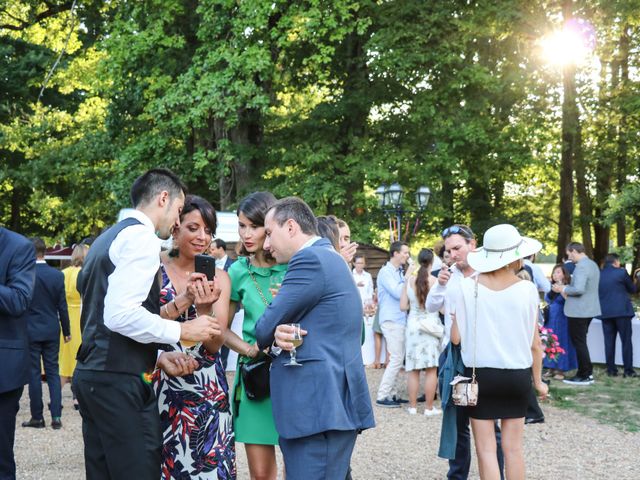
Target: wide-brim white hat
[(501, 245)]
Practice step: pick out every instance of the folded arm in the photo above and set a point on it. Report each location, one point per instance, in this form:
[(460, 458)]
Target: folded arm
[(16, 294)]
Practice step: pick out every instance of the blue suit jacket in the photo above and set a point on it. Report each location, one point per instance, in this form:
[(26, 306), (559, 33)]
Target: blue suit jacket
[(48, 310), (614, 289), (17, 277), (329, 392)]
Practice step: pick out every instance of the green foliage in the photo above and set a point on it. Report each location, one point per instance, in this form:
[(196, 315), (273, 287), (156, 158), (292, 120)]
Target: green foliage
[(321, 99)]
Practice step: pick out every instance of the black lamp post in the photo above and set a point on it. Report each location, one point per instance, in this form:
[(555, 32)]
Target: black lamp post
[(390, 201)]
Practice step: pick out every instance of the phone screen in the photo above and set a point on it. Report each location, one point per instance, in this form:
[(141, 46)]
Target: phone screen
[(207, 265)]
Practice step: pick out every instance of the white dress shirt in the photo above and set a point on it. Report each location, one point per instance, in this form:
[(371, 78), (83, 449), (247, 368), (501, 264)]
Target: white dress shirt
[(135, 252), (366, 291), (542, 282), (443, 296), (221, 262)]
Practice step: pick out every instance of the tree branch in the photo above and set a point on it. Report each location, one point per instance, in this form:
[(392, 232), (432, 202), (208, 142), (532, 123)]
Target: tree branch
[(53, 10)]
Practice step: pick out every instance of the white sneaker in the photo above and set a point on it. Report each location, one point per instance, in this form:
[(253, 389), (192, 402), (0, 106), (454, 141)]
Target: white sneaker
[(433, 412), (412, 410)]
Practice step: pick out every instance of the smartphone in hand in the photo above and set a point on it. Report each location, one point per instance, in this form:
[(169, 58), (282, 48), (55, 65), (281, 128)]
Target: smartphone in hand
[(207, 265)]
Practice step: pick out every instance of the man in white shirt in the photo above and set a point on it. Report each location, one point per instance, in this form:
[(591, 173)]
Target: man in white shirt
[(363, 279), (459, 240), (120, 288)]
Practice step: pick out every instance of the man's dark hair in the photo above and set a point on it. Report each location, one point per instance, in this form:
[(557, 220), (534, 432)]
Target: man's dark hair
[(359, 255), (296, 209), (575, 247), (610, 258), (154, 181), (396, 247), (220, 243), (458, 229), (39, 245)]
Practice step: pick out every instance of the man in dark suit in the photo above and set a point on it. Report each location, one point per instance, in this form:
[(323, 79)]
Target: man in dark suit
[(17, 277), (321, 406), (617, 311), (48, 311), (218, 250)]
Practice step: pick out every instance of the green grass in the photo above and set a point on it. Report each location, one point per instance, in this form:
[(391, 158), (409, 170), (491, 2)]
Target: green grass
[(610, 400)]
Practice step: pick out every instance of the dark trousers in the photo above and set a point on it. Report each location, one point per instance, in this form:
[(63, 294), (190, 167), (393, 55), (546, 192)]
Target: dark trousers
[(325, 455), (578, 328), (120, 426), (9, 406), (611, 327), (48, 352), (533, 408), (459, 466)]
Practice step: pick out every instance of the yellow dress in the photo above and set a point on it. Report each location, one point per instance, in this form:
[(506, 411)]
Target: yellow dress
[(69, 350)]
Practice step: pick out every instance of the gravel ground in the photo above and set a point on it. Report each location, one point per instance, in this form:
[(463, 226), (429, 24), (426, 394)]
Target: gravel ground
[(567, 446)]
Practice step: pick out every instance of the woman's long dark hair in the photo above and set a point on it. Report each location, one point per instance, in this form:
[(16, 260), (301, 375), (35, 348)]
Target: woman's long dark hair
[(255, 207), (566, 279), (328, 228), (425, 259), (209, 217)]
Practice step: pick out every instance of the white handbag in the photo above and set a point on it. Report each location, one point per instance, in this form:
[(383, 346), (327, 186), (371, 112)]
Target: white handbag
[(465, 389), (431, 326)]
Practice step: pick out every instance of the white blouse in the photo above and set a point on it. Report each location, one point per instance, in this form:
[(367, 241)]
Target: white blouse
[(506, 323)]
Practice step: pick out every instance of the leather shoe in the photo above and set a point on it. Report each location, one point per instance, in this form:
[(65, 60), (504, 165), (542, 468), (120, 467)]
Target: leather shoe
[(630, 374), (399, 400), (531, 421), (420, 399), (56, 423), (33, 423)]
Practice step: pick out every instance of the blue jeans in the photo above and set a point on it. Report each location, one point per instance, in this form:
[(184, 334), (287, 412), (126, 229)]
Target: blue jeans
[(48, 351)]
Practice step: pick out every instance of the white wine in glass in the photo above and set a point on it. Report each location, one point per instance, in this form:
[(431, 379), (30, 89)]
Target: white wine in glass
[(297, 341)]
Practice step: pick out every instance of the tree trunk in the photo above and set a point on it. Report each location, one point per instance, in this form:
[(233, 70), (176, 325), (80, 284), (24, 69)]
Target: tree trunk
[(622, 157), (569, 116)]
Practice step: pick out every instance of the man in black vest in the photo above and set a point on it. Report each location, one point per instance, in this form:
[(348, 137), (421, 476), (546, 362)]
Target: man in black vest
[(121, 327)]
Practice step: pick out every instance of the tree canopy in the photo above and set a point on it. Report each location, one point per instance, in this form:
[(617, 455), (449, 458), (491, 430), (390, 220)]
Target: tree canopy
[(325, 99)]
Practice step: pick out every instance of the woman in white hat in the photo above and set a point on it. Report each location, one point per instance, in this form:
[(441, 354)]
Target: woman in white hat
[(495, 322)]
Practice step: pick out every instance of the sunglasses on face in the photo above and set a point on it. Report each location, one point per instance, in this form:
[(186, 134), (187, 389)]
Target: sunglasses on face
[(457, 230)]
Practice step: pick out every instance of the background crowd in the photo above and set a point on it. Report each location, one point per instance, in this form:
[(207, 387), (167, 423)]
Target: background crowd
[(456, 302)]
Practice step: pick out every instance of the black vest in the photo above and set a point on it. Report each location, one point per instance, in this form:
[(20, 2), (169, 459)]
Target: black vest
[(103, 349)]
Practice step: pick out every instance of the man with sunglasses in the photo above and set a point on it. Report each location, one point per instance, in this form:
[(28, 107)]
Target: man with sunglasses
[(459, 240)]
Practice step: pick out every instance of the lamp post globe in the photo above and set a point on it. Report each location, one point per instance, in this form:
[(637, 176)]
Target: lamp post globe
[(422, 197), (396, 193)]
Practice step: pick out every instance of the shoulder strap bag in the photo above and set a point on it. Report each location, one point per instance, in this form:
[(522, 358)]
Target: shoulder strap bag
[(465, 389), (255, 373)]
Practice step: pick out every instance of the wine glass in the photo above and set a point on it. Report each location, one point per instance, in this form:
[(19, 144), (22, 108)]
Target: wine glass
[(369, 309), (297, 341), (275, 282)]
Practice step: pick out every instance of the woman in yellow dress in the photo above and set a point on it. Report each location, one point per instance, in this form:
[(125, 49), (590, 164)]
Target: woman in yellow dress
[(68, 351)]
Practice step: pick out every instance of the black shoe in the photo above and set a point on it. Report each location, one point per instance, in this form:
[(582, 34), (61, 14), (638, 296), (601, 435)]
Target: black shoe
[(399, 400), (531, 421), (579, 380), (612, 374), (33, 423), (420, 399), (387, 403), (631, 374), (76, 406), (56, 423)]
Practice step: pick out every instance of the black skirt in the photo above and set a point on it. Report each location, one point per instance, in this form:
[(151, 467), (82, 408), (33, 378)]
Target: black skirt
[(502, 393)]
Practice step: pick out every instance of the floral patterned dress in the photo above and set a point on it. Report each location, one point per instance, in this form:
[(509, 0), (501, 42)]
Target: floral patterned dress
[(195, 415)]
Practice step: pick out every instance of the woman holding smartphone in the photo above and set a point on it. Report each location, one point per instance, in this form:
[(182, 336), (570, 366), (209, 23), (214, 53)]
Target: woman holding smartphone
[(252, 276), (195, 412)]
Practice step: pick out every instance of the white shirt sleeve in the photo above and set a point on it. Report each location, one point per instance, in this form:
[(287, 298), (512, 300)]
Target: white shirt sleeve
[(435, 297), (135, 252)]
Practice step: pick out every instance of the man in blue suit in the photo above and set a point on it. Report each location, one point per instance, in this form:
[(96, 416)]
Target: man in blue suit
[(47, 312), (617, 311), (17, 277), (321, 406)]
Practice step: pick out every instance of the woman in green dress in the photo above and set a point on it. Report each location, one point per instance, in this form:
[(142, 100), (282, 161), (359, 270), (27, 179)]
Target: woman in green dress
[(250, 285)]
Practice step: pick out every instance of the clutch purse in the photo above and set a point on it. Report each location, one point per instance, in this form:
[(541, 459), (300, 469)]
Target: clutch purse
[(434, 328), (255, 378), (465, 391)]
